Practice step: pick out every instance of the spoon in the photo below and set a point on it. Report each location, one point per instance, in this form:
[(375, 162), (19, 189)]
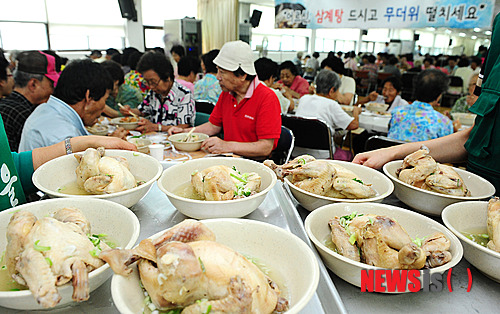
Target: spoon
[(188, 136), (133, 114)]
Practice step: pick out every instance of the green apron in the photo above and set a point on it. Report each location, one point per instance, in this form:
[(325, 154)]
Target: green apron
[(483, 145), (11, 190)]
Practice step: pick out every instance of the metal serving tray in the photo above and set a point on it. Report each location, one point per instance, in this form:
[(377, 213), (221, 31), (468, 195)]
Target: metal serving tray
[(156, 213)]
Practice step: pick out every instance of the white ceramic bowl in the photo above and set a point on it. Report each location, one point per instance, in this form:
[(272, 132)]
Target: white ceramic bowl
[(98, 129), (348, 109), (415, 224), (471, 217), (465, 118), (125, 125), (379, 182), (433, 203), (60, 172), (180, 173), (190, 146), (376, 107), (254, 239), (115, 220), (141, 143)]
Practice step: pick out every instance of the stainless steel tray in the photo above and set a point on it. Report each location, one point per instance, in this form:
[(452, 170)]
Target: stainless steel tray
[(156, 213)]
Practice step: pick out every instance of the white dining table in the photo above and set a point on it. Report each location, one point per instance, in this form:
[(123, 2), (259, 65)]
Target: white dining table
[(374, 122)]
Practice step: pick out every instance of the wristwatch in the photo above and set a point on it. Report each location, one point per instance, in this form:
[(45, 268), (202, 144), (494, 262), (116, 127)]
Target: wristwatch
[(67, 145), (159, 127)]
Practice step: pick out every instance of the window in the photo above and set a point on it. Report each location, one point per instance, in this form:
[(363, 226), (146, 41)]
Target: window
[(153, 37), (23, 36)]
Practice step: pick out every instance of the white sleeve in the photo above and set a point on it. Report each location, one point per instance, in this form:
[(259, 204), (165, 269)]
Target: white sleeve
[(339, 118)]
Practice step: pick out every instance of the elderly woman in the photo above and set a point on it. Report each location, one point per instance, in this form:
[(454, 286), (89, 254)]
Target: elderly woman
[(390, 94), (323, 105), (291, 81)]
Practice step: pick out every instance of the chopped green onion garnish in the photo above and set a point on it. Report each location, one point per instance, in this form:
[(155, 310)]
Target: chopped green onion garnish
[(40, 248), (238, 178), (95, 252), (358, 180), (301, 161), (49, 261), (15, 289), (4, 267), (353, 238), (209, 308), (484, 235), (194, 172), (201, 264), (135, 154), (419, 241)]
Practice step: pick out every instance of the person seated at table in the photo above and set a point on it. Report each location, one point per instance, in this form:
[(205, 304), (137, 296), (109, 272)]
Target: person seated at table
[(391, 89), (452, 66), (323, 104), (78, 101), (428, 63), (391, 66), (419, 121), (347, 84), (266, 70), (208, 88), (187, 69), (121, 93), (291, 81), (463, 104), (247, 111), (370, 66), (168, 103)]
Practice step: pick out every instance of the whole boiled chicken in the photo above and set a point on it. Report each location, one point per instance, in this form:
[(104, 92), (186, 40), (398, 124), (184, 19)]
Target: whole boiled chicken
[(421, 170), (493, 224), (381, 241), (49, 252), (321, 177), (220, 183), (99, 174), (186, 265)]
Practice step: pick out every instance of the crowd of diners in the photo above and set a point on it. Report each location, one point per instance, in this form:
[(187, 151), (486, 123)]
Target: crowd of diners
[(47, 102)]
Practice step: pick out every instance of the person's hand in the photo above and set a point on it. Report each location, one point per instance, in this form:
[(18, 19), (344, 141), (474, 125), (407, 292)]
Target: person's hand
[(215, 145), (356, 110), (176, 129), (457, 125), (146, 126), (373, 96), (125, 110), (276, 85), (81, 143), (375, 158), (120, 133)]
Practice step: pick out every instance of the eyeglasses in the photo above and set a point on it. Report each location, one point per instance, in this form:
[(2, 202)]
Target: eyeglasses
[(152, 84)]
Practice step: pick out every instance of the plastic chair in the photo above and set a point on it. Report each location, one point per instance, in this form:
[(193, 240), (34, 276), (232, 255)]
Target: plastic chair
[(310, 133), (200, 118), (378, 141), (407, 85), (283, 151), (204, 106)]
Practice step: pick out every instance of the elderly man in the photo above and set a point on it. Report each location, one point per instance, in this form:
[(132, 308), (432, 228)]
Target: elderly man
[(168, 103), (247, 110), (419, 121), (35, 77), (78, 101)]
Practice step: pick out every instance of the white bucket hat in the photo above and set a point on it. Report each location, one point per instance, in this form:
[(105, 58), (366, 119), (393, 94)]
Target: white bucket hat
[(234, 55)]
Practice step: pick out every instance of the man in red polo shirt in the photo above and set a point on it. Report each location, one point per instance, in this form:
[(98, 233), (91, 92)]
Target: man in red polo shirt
[(247, 110)]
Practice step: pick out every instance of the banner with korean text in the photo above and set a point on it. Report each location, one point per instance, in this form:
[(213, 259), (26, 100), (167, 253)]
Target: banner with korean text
[(367, 14)]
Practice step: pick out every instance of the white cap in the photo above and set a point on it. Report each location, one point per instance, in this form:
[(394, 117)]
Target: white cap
[(234, 55)]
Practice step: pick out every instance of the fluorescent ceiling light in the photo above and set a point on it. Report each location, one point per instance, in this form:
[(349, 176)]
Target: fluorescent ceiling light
[(473, 37), (477, 29), (431, 28), (487, 33), (447, 31), (461, 34)]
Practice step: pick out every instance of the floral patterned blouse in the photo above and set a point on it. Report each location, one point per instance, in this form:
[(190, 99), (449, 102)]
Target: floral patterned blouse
[(418, 122), (208, 88), (177, 108), (135, 80)]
